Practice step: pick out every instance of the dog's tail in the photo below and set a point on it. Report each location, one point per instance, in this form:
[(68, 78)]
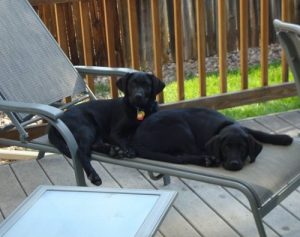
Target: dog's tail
[(57, 140), (275, 139)]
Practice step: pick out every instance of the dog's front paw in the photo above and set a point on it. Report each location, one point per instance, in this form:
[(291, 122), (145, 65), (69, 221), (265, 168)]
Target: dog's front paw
[(211, 161), (95, 179), (215, 161), (116, 152), (129, 153)]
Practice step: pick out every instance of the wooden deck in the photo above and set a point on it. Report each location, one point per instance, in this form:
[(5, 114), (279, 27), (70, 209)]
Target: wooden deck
[(199, 210)]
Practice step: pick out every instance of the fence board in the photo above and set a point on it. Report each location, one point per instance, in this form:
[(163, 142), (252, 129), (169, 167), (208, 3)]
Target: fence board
[(210, 27), (110, 41), (86, 39), (61, 27), (178, 48), (254, 23), (134, 46), (244, 34), (156, 38), (97, 35), (264, 40), (222, 43), (71, 34), (201, 42), (284, 17), (78, 33)]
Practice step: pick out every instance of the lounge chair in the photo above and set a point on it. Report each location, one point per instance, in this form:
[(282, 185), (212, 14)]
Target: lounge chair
[(33, 66)]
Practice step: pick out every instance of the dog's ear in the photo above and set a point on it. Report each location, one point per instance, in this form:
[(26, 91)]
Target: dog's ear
[(122, 82), (157, 84), (254, 148), (213, 146)]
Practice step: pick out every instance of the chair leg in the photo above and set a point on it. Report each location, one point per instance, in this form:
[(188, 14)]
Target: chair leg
[(79, 175), (166, 178), (258, 220), (40, 155)]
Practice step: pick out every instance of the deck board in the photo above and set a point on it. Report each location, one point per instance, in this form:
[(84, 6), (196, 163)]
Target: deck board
[(200, 209), (223, 203), (11, 192), (30, 175)]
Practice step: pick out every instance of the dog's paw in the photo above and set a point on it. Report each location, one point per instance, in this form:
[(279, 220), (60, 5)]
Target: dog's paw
[(129, 153), (95, 179), (215, 161), (211, 161), (116, 152)]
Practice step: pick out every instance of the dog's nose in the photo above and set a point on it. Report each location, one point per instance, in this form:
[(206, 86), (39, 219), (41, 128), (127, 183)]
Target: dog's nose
[(234, 165), (138, 97)]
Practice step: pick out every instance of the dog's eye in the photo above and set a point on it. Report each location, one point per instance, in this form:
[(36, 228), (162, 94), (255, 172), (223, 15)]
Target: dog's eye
[(144, 83)]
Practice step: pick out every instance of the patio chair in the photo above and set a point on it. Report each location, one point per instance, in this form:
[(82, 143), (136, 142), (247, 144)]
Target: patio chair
[(289, 38), (33, 66)]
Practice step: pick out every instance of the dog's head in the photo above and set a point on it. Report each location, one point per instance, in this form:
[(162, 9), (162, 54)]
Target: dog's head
[(140, 88), (232, 146)]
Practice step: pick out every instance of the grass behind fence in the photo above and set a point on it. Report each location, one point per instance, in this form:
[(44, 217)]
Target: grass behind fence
[(240, 112)]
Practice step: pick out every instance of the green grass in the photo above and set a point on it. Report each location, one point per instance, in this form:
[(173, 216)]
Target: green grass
[(191, 89)]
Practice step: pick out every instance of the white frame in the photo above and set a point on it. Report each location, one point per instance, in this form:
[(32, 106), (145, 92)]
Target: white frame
[(148, 227)]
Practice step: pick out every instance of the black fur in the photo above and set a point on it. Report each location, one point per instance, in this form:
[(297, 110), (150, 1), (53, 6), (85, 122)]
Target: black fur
[(200, 136), (114, 121)]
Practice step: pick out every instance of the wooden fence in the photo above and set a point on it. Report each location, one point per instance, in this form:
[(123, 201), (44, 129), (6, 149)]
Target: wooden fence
[(126, 32)]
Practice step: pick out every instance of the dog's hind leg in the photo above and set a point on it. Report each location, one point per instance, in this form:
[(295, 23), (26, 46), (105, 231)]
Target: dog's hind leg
[(85, 141), (84, 155)]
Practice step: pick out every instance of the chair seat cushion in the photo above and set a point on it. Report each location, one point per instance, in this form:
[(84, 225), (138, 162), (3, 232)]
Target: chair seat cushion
[(274, 168)]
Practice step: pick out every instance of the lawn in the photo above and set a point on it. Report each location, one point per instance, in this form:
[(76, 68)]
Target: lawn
[(192, 91)]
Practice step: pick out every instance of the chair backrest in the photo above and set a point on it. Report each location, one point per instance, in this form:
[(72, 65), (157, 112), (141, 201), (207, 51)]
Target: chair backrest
[(289, 38), (33, 66)]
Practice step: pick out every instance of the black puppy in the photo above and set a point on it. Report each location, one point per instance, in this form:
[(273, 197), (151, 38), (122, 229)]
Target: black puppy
[(200, 136), (113, 121)]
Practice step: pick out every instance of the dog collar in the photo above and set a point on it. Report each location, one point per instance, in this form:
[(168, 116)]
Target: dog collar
[(140, 115)]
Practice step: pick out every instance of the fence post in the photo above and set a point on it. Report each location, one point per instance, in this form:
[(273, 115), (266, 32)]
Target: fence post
[(285, 17), (178, 48), (156, 39), (110, 42), (222, 43), (133, 29), (264, 40), (201, 42), (61, 27), (86, 39), (244, 42)]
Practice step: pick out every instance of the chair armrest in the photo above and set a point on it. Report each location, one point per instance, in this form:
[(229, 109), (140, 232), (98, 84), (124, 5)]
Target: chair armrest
[(30, 108), (103, 71)]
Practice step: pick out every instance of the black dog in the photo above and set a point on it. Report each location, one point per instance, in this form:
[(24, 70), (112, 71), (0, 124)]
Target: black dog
[(114, 121), (200, 136)]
